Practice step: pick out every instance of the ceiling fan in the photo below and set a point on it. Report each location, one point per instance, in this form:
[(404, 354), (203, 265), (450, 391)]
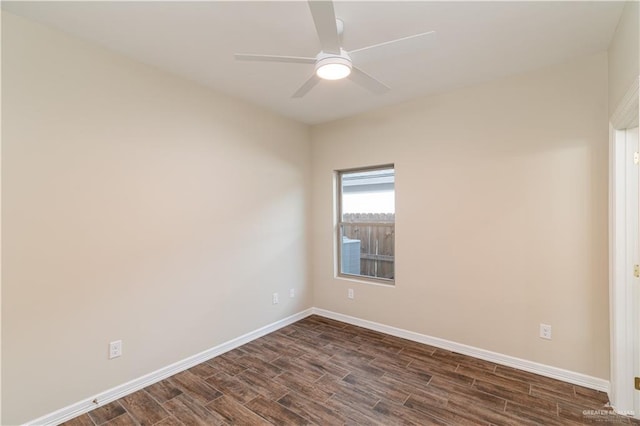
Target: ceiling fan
[(335, 63)]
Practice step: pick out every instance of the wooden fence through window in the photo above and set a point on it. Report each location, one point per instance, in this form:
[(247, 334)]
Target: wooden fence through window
[(376, 232)]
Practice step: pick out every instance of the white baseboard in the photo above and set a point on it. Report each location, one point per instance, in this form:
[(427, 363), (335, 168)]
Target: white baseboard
[(117, 392), (509, 361)]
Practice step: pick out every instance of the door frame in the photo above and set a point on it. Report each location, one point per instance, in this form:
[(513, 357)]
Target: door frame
[(623, 333)]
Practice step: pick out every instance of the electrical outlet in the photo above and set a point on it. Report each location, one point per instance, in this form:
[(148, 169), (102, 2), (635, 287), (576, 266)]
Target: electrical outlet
[(292, 293), (350, 293), (115, 349), (275, 299), (545, 331)]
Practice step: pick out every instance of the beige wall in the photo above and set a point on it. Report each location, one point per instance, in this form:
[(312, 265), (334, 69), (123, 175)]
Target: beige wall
[(624, 54), (136, 206), (139, 206), (501, 206)]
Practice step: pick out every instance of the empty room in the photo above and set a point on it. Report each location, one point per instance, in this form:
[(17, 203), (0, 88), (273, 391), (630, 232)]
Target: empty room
[(320, 212)]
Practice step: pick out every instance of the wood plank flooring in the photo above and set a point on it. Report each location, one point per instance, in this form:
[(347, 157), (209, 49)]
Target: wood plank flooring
[(324, 372)]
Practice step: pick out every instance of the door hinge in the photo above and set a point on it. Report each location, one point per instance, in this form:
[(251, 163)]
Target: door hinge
[(636, 382), (636, 271), (636, 158)]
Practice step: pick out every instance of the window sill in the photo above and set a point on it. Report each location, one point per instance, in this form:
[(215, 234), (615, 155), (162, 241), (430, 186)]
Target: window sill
[(373, 281)]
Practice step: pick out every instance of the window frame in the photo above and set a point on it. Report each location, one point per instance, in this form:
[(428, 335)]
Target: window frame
[(339, 226)]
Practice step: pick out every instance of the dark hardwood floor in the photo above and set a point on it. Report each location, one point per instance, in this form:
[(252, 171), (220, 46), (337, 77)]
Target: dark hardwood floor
[(324, 372)]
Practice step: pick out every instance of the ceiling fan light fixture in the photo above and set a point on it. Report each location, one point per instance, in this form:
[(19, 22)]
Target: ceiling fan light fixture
[(333, 68)]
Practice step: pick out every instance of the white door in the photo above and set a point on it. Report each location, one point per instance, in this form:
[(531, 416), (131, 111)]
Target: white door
[(633, 247), (625, 286)]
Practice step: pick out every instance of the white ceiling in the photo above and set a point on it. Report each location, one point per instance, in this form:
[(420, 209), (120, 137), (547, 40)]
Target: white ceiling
[(474, 42)]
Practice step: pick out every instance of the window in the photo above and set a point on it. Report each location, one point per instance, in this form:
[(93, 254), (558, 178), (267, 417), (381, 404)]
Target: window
[(366, 223)]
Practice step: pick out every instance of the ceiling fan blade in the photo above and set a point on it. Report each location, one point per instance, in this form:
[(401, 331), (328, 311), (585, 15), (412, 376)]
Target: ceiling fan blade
[(274, 58), (398, 46), (308, 85), (365, 80), (325, 20)]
